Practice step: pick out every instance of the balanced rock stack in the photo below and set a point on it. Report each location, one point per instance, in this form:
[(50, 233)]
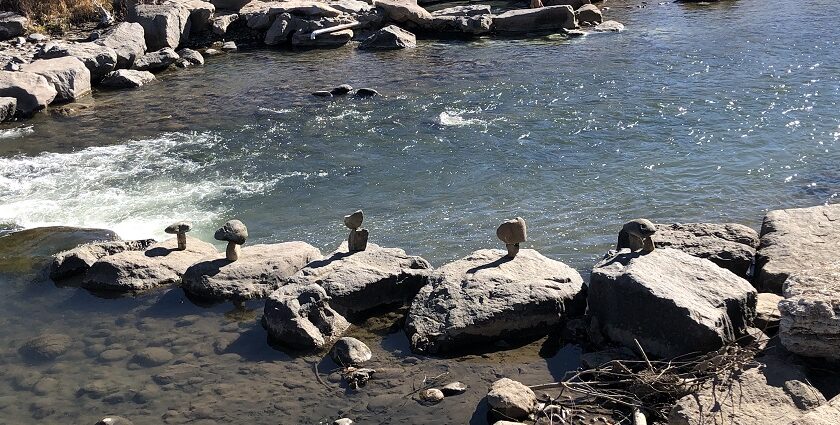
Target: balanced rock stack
[(180, 228), (636, 235), (358, 239), (235, 234), (512, 233)]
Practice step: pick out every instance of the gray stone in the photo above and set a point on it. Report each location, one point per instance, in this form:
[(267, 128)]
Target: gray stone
[(471, 25), (366, 92), (632, 294), (486, 297), (589, 14), (32, 91), (796, 240), (221, 22), (114, 420), (189, 57), (333, 39), (36, 38), (156, 61), (391, 37), (355, 220), (341, 91), (46, 346), (11, 25), (8, 106), (229, 46), (404, 11), (299, 316), (201, 12), (771, 393), (545, 19), (32, 250), (128, 41), (827, 414), (431, 395), (731, 246), (322, 93), (152, 356), (349, 351), (810, 313), (575, 4), (164, 25), (98, 59), (767, 314), (352, 7), (512, 399), (358, 239), (254, 276), (343, 421), (609, 26), (232, 231), (360, 281), (260, 15), (127, 79), (470, 10), (454, 388), (78, 260), (68, 75), (132, 271)]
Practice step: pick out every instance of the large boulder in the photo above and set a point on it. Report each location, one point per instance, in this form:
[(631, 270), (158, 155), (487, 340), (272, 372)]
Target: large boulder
[(632, 294), (157, 61), (589, 14), (33, 92), (30, 249), (222, 21), (8, 106), (391, 37), (128, 41), (403, 11), (796, 240), (332, 39), (11, 25), (260, 15), (810, 313), (78, 260), (471, 10), (360, 281), (255, 275), (99, 60), (201, 14), (133, 271), (827, 414), (127, 79), (767, 316), (300, 317), (544, 19), (731, 246), (776, 392), (486, 297), (164, 25), (68, 75)]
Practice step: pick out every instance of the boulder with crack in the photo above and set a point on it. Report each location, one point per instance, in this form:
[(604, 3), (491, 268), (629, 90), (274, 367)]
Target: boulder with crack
[(731, 246), (704, 306), (255, 275), (486, 297), (78, 260), (300, 317)]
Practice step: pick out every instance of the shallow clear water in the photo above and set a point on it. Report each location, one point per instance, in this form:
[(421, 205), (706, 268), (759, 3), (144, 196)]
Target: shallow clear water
[(695, 113)]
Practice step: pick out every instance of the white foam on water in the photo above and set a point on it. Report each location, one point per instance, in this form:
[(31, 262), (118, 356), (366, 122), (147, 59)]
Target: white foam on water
[(17, 132), (457, 119), (135, 189)]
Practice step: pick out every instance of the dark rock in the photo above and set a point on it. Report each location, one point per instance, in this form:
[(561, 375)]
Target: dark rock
[(32, 91), (46, 347), (322, 93), (333, 39), (341, 90), (11, 25), (486, 297), (366, 92), (391, 37), (156, 61), (632, 294)]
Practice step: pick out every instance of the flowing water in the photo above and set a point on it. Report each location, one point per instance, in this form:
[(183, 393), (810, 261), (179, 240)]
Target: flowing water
[(696, 113)]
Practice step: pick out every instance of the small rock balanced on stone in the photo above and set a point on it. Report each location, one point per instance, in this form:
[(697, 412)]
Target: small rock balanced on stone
[(636, 235), (180, 228), (235, 233), (358, 239), (512, 233)]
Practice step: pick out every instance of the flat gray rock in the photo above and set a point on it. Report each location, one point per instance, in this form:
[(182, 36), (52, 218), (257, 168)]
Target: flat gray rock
[(391, 37), (33, 92), (731, 246), (300, 317), (486, 297), (796, 240), (631, 296), (133, 271), (127, 79), (255, 275), (99, 60), (68, 75), (810, 313), (128, 41), (156, 61), (544, 19), (360, 281), (78, 260)]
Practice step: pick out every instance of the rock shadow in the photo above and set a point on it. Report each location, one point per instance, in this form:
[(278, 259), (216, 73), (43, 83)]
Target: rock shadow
[(490, 265)]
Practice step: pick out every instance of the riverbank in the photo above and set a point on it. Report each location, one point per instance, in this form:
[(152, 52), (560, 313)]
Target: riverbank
[(782, 251), (156, 37)]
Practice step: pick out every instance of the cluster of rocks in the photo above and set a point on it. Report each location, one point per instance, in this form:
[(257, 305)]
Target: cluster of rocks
[(38, 72)]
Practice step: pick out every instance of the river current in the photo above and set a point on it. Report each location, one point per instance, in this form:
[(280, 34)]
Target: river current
[(715, 112)]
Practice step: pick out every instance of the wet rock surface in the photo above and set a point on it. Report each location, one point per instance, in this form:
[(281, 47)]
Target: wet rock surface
[(632, 294), (731, 246), (256, 274), (131, 271), (360, 281), (487, 297), (46, 347), (32, 249), (127, 79), (78, 260), (796, 240)]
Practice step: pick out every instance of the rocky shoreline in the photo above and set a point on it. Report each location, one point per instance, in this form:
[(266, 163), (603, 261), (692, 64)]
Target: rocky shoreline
[(156, 36), (687, 294)]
